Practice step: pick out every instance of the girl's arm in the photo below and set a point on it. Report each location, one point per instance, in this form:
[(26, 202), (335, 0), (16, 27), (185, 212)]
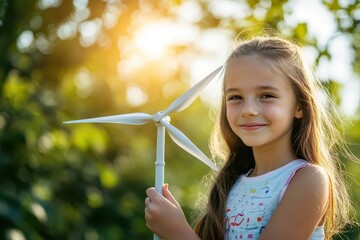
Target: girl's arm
[(302, 207), (165, 217)]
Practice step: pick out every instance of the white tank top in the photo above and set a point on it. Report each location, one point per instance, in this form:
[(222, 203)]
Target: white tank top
[(252, 201)]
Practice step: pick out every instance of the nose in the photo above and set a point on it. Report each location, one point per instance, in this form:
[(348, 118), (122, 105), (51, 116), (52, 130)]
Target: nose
[(249, 109)]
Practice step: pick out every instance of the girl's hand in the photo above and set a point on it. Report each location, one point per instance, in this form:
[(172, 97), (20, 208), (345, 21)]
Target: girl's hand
[(165, 217)]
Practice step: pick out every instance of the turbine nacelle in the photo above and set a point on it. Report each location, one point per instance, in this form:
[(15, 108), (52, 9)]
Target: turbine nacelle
[(157, 117)]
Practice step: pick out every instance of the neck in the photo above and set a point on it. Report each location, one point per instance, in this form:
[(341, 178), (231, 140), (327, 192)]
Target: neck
[(268, 158)]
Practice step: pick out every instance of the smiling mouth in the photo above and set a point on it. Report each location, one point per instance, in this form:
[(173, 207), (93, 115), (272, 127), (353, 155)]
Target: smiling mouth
[(252, 127)]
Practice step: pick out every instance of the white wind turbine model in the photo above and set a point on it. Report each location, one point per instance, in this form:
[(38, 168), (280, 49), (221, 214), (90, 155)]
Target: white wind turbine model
[(162, 121)]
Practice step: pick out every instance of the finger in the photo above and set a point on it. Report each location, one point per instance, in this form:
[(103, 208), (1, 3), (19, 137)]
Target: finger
[(148, 212), (152, 193), (168, 195), (147, 201), (147, 215)]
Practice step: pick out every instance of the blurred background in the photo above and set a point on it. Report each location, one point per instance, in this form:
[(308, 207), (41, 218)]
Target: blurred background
[(70, 59)]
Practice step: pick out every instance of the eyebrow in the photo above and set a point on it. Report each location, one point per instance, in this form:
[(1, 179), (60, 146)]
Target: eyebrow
[(262, 87)]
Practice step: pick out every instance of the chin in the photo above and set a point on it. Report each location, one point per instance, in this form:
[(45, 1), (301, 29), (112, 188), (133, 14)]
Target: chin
[(251, 144)]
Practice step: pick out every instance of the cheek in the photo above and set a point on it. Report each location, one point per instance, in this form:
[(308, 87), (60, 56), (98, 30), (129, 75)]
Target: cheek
[(275, 113), (232, 119), (278, 114), (231, 114)]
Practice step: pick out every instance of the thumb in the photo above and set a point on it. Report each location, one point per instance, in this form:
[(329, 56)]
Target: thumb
[(167, 194)]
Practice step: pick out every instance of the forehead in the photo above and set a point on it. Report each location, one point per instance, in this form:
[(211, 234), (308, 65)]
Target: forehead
[(254, 71)]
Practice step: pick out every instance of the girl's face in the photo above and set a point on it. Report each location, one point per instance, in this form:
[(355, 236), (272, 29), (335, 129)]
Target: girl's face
[(260, 104)]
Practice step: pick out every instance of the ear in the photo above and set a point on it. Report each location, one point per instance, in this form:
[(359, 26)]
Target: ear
[(298, 113)]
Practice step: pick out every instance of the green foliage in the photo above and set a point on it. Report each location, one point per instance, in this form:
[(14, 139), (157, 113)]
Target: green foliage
[(88, 181)]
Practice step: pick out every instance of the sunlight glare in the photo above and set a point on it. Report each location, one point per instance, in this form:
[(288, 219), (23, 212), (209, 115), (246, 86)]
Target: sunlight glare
[(135, 96), (152, 40), (155, 39)]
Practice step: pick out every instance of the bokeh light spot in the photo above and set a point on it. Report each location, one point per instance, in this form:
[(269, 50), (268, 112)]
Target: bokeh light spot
[(15, 234), (67, 30), (135, 96), (94, 197), (25, 40), (39, 212)]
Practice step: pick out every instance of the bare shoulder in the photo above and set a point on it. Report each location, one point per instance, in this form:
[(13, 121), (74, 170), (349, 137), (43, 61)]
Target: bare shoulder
[(311, 178), (310, 186), (302, 207)]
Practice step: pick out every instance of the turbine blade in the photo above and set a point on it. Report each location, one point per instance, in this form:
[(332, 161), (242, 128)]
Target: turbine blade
[(181, 140), (190, 95), (130, 118)]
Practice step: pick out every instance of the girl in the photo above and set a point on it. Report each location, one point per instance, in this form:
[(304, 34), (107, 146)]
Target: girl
[(281, 176)]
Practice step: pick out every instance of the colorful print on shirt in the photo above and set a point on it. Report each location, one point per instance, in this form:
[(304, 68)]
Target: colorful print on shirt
[(252, 201)]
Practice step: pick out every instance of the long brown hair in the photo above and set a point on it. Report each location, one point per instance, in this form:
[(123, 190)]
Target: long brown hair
[(315, 137)]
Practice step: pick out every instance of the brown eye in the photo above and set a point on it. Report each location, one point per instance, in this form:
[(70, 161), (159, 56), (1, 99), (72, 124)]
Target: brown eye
[(265, 96), (235, 97)]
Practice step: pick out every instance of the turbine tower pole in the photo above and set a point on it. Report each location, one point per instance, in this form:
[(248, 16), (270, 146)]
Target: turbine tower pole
[(160, 157)]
